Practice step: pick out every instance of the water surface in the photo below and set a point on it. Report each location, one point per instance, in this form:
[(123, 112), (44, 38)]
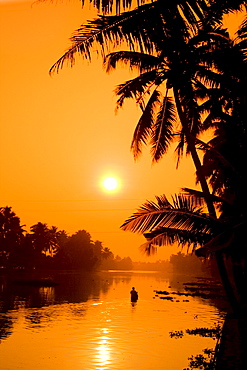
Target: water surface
[(88, 322)]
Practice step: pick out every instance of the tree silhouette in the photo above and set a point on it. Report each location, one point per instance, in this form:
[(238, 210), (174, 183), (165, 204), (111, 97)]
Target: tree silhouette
[(46, 247), (178, 44), (44, 242), (78, 252), (180, 51), (11, 235)]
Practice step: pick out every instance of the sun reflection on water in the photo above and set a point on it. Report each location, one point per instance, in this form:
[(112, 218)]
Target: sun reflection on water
[(103, 351), (105, 330)]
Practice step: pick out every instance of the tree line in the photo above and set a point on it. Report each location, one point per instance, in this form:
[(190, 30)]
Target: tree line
[(45, 247)]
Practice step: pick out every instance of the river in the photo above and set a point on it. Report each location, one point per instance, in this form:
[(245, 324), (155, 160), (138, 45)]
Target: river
[(87, 322)]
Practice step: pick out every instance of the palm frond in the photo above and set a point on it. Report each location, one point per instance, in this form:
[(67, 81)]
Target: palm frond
[(192, 7), (148, 249), (182, 214), (163, 129), (242, 31), (217, 9), (136, 28), (144, 127), (242, 38), (167, 236), (137, 87), (83, 40), (170, 236), (143, 62), (209, 78), (132, 28)]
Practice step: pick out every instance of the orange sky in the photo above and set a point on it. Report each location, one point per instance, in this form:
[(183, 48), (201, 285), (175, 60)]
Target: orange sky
[(59, 135)]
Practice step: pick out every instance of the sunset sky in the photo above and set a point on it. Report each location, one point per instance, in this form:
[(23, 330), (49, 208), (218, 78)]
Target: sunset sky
[(60, 136)]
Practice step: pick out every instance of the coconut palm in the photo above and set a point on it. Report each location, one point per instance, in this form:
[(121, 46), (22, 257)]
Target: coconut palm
[(224, 154), (223, 157), (174, 45), (155, 28), (178, 48), (184, 72), (168, 45), (45, 239), (11, 234), (223, 165)]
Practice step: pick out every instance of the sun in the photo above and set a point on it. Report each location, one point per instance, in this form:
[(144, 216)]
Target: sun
[(110, 183)]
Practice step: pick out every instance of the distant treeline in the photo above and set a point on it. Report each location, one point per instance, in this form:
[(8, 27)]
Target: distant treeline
[(190, 264), (180, 263), (47, 247)]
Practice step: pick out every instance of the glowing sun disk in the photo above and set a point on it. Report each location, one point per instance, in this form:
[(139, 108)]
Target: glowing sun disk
[(110, 183)]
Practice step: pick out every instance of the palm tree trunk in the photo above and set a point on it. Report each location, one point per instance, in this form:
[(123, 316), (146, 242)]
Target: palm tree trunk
[(211, 209), (192, 148), (226, 282)]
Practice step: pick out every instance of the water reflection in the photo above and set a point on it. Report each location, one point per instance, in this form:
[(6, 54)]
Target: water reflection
[(88, 322), (71, 288), (102, 350), (47, 294), (103, 353)]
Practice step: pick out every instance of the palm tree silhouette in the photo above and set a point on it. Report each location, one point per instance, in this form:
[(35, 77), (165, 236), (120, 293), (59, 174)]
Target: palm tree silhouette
[(175, 43), (44, 239), (11, 234), (178, 48)]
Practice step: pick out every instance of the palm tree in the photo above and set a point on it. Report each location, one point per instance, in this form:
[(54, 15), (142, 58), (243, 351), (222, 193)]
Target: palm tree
[(222, 165), (175, 46), (11, 234), (45, 239), (137, 26), (179, 46), (223, 157)]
